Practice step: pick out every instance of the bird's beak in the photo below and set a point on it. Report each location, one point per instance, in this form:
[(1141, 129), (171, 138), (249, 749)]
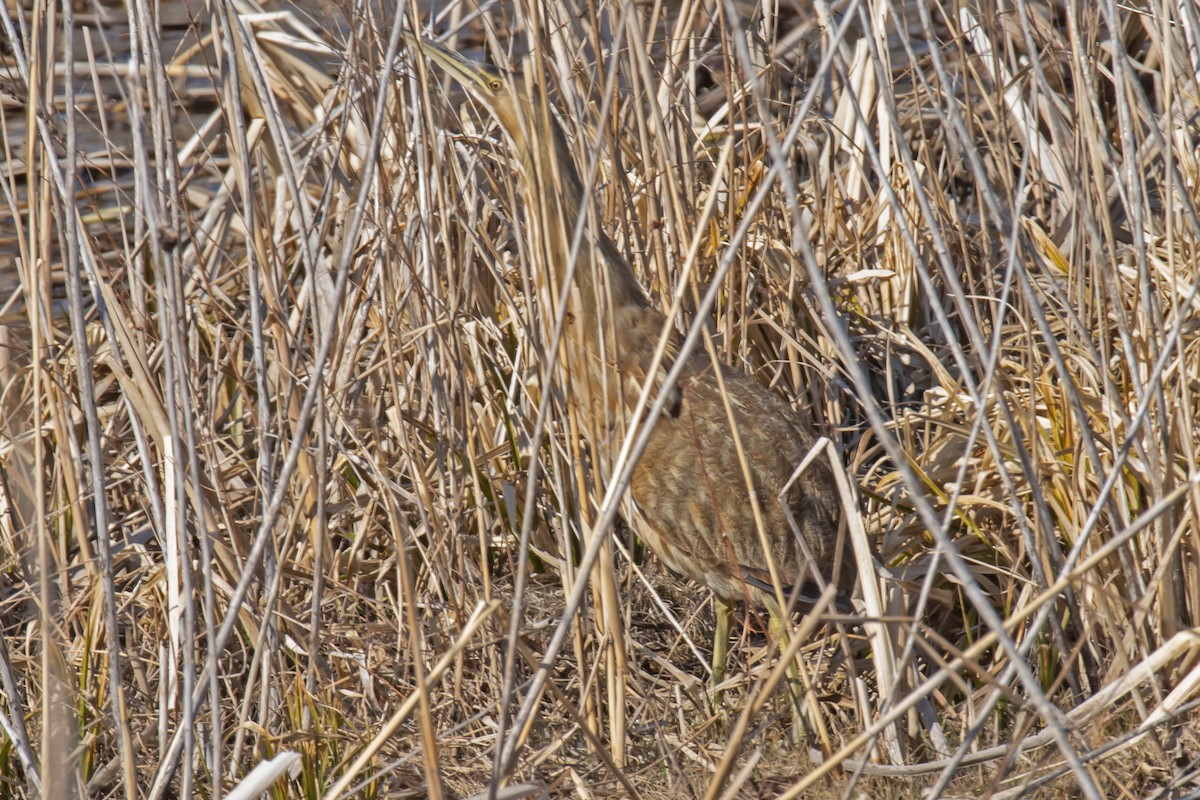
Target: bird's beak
[(470, 74)]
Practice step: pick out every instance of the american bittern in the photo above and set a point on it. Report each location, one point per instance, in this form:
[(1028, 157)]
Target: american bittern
[(691, 486)]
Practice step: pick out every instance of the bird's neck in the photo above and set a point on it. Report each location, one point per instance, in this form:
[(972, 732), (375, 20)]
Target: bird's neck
[(556, 205)]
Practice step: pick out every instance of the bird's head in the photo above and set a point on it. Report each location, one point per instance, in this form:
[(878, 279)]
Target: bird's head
[(503, 91)]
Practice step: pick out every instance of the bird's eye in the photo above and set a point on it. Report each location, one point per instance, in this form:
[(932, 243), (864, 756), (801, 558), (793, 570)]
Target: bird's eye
[(495, 85)]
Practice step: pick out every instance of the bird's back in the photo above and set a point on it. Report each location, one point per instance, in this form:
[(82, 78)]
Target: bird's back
[(694, 496), (690, 487)]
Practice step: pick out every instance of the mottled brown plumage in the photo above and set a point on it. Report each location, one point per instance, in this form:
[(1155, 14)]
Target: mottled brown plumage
[(690, 487)]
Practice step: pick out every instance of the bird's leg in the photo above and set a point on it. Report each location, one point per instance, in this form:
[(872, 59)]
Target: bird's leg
[(779, 634), (798, 685), (724, 613)]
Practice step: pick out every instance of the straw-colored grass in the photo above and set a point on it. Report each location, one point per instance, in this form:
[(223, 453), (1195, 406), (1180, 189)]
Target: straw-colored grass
[(285, 471)]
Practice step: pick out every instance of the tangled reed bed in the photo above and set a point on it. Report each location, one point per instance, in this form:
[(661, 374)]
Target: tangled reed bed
[(267, 327)]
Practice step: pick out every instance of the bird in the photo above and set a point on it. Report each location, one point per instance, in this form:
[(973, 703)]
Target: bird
[(725, 448)]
